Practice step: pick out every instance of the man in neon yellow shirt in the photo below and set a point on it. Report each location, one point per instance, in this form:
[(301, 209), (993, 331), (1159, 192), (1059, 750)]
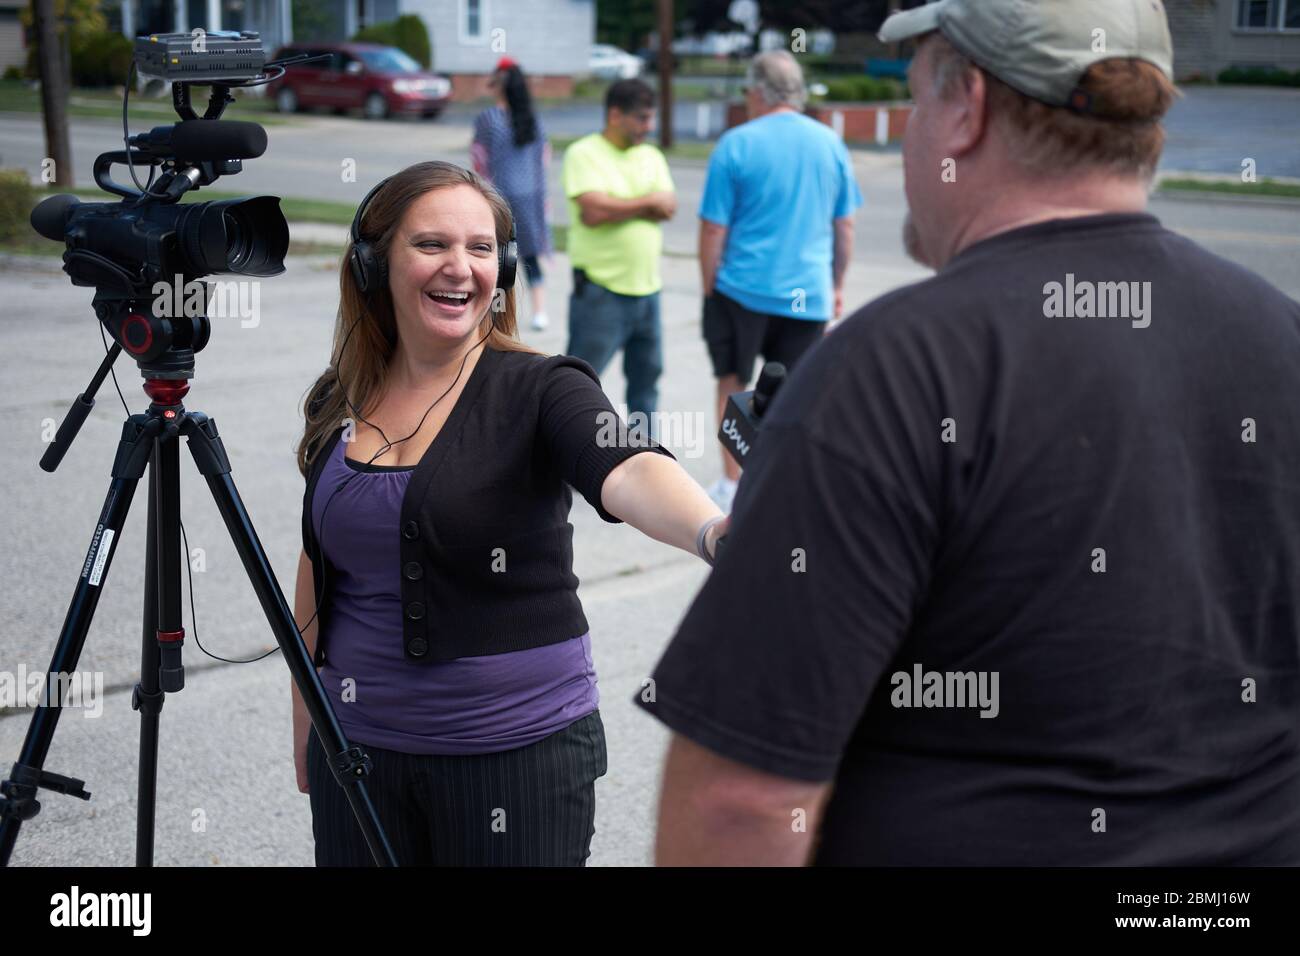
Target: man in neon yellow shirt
[(619, 191)]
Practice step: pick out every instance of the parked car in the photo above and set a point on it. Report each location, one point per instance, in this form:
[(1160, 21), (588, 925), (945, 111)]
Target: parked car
[(378, 80), (610, 63)]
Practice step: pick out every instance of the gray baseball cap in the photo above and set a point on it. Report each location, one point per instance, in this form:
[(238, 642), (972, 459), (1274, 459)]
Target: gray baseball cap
[(1043, 47)]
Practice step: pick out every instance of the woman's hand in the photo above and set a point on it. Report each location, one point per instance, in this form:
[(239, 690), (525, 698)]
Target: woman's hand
[(712, 536), (300, 736)]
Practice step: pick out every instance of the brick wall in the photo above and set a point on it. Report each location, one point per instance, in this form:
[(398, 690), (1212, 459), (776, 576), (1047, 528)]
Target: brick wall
[(472, 86), (859, 119)]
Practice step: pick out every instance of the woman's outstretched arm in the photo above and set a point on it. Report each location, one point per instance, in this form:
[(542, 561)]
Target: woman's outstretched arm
[(654, 494)]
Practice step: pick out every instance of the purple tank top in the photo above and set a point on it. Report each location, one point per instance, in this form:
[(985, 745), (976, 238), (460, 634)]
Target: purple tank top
[(465, 706)]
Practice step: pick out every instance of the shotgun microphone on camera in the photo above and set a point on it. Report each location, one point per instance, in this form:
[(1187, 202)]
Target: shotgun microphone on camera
[(203, 140)]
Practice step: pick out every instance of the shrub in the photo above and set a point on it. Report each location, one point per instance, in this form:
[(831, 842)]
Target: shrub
[(408, 33), (101, 59), (1259, 76), (17, 197), (413, 37), (385, 33), (855, 89)]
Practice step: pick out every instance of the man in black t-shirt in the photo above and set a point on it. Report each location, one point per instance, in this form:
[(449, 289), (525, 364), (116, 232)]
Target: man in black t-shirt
[(1012, 576)]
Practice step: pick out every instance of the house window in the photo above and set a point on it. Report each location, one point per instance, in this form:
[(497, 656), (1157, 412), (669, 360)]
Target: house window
[(1268, 14), (1256, 14), (473, 17)]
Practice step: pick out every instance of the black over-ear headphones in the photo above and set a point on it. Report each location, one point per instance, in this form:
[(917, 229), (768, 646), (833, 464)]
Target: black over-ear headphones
[(370, 269)]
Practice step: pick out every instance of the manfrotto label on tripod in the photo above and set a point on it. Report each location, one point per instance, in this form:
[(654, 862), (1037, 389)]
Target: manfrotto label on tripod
[(100, 548)]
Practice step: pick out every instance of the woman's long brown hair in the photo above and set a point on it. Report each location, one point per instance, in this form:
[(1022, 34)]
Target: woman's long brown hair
[(362, 368)]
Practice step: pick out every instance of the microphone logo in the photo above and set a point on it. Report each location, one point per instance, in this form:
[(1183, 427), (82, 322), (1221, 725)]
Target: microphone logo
[(731, 431)]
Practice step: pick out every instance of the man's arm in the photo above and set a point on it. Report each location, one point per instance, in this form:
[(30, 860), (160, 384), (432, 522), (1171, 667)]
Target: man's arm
[(597, 208), (715, 812), (840, 263), (713, 239)]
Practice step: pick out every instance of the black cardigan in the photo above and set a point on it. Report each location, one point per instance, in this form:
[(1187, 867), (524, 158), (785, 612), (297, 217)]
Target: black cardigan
[(486, 543)]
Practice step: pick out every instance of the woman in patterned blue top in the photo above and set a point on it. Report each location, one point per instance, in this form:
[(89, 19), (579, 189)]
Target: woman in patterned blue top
[(510, 148)]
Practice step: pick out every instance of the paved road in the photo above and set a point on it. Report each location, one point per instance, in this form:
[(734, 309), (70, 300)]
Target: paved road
[(226, 738), (226, 735), (1210, 130)]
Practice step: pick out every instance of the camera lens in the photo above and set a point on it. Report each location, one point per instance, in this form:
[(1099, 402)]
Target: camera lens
[(239, 243), (242, 236)]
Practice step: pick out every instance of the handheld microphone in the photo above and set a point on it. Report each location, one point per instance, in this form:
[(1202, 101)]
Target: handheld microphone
[(745, 410)]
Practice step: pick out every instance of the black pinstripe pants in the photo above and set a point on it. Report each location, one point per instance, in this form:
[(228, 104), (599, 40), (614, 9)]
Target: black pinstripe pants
[(533, 806)]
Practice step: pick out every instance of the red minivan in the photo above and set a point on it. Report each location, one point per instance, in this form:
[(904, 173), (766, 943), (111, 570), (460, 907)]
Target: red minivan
[(378, 80)]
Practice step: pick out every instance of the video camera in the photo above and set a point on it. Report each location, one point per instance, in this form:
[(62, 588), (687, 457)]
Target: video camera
[(123, 248)]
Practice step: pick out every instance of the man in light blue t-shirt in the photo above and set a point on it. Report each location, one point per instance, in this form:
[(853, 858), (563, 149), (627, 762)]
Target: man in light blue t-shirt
[(776, 233)]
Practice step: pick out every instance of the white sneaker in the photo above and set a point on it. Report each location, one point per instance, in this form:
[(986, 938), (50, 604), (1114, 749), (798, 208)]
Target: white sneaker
[(723, 491), (539, 321)]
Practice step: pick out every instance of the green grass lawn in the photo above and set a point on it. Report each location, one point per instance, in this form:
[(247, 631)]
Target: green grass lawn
[(34, 245), (295, 210), (17, 97), (688, 149), (1265, 187), (591, 90)]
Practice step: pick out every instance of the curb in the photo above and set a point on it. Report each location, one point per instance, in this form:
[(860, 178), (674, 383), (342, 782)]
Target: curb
[(1196, 195)]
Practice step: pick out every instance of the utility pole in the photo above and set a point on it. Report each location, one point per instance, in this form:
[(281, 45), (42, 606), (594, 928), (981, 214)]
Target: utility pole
[(54, 92), (665, 74)]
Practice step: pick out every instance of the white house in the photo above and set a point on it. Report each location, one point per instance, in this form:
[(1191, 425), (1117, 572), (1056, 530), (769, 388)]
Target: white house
[(270, 18), (550, 39), (1211, 35), (13, 45)]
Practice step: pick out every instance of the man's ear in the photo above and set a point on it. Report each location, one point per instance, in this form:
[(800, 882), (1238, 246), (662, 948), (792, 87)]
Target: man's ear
[(970, 119)]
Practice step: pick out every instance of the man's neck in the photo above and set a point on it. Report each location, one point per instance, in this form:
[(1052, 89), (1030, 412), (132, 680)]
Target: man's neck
[(614, 137), (1067, 199)]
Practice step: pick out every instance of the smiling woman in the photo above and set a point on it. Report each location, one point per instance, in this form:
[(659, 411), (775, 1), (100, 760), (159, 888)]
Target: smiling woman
[(435, 589)]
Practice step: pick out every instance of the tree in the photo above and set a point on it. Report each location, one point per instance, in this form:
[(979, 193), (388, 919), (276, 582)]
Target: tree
[(84, 16), (312, 20), (54, 92), (841, 16), (627, 23)]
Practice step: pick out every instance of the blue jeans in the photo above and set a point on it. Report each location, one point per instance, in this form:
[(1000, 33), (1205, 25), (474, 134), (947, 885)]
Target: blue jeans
[(602, 321)]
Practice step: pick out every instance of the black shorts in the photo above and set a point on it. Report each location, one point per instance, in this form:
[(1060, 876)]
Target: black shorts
[(737, 335)]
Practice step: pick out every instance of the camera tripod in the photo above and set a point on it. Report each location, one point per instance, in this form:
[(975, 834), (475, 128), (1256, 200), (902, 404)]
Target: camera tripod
[(151, 440)]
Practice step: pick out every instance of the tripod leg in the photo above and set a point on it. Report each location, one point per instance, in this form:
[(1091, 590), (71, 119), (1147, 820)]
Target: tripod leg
[(161, 671), (147, 697), (28, 775), (350, 764)]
